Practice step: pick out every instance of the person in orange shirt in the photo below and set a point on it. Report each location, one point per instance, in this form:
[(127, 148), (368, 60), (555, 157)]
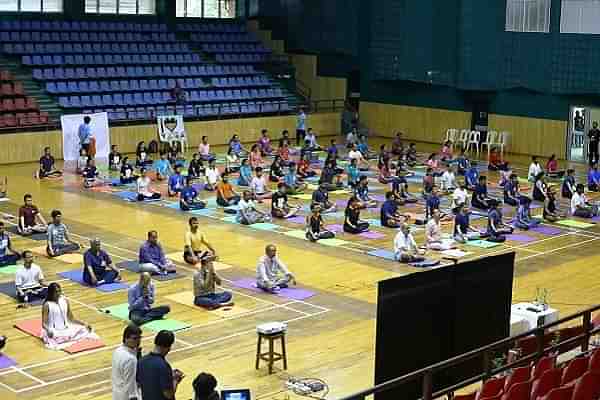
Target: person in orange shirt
[(226, 196), (495, 162)]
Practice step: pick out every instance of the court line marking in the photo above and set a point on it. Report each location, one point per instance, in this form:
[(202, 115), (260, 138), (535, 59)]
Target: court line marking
[(19, 370), (207, 342)]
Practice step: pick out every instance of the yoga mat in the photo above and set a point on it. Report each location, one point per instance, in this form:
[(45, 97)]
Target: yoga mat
[(335, 228), (374, 222), (232, 219), (546, 230), (425, 264), (172, 205), (187, 299), (372, 235), (483, 244), (229, 311), (381, 253), (84, 345), (296, 234), (337, 214), (298, 219), (575, 224), (36, 236), (378, 197), (31, 327), (339, 191), (6, 362), (288, 293), (121, 311), (203, 212), (9, 289), (333, 242), (8, 270), (303, 196), (72, 258), (134, 266), (40, 250), (341, 203), (455, 253), (126, 195), (516, 237), (76, 275), (311, 186), (264, 226)]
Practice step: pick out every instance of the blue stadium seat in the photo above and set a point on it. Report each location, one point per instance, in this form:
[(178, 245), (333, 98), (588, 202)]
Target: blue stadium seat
[(129, 99), (134, 85), (72, 87), (115, 86), (124, 84), (107, 100), (83, 87), (152, 85), (75, 101), (118, 99), (38, 74), (94, 87), (57, 73), (97, 101), (105, 86), (144, 85)]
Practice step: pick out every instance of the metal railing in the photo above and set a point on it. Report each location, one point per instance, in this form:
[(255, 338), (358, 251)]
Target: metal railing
[(426, 375)]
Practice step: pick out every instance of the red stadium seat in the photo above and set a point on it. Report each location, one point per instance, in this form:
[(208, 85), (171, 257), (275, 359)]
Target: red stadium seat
[(587, 387), (560, 393), (550, 380), (5, 76), (10, 120), (596, 320), (18, 89), (544, 364), (595, 361), (2, 122), (491, 388), (518, 391), (576, 368), (518, 375), (43, 117), (20, 104), (8, 105), (31, 103), (7, 89)]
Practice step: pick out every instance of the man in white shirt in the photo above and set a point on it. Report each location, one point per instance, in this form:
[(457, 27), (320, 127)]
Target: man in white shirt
[(433, 234), (448, 180), (271, 272), (212, 175), (311, 140), (351, 138), (248, 213), (124, 365), (460, 196), (258, 186), (405, 247), (29, 280), (360, 159), (534, 169), (580, 207)]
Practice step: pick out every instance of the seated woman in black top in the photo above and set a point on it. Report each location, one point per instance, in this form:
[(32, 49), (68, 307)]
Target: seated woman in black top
[(276, 170), (196, 167), (540, 187), (328, 175), (352, 222), (141, 153), (480, 197), (127, 174), (315, 228), (551, 213), (511, 191)]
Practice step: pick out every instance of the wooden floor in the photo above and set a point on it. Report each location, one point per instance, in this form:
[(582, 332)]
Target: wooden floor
[(331, 335)]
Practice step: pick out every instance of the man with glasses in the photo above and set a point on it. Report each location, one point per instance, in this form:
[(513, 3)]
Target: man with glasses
[(29, 280)]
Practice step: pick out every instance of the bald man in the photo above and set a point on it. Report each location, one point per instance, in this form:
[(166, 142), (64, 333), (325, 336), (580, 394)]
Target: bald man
[(271, 273), (98, 268), (141, 298)]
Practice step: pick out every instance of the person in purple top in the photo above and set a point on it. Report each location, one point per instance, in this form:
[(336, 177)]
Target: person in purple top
[(47, 166), (152, 257), (98, 268)]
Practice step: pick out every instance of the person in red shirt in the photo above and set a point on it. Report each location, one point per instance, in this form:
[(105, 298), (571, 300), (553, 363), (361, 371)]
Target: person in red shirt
[(552, 168), (30, 219), (495, 162)]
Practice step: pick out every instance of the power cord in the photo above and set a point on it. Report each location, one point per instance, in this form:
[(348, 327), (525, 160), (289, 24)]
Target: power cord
[(308, 387)]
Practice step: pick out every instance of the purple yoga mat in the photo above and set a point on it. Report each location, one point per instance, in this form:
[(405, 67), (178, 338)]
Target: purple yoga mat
[(335, 228), (596, 219), (516, 237), (378, 197), (341, 203), (6, 362), (372, 235), (298, 219), (287, 293), (246, 283), (546, 230)]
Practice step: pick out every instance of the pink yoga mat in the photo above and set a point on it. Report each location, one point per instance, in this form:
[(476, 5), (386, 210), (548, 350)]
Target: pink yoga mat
[(288, 293), (516, 237), (372, 235)]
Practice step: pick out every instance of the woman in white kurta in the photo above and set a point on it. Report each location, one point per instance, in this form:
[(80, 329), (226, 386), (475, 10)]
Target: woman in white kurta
[(60, 329)]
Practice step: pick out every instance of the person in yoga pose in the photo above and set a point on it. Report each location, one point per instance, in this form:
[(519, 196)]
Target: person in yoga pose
[(259, 188), (235, 147), (463, 231), (321, 197), (353, 173), (211, 174), (405, 247), (329, 174), (152, 258), (196, 247), (141, 153), (304, 170), (140, 298), (552, 168), (98, 268), (8, 255), (226, 195), (448, 181), (204, 150), (292, 183), (29, 281), (540, 187), (523, 219), (196, 168), (163, 167), (534, 169), (463, 163), (480, 197), (176, 182), (60, 328), (264, 143), (276, 170), (59, 242), (127, 174), (551, 212), (496, 163), (460, 197), (255, 157), (280, 208), (47, 168), (355, 154), (352, 221), (569, 186), (245, 173), (188, 198), (205, 282), (90, 174), (511, 191), (362, 193), (496, 228), (144, 189), (594, 179), (30, 219), (114, 158), (248, 212), (315, 227), (433, 234), (389, 215), (580, 206), (271, 273)]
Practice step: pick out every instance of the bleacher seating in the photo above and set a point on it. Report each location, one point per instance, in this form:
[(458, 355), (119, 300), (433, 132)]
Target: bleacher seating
[(129, 69), (17, 109)]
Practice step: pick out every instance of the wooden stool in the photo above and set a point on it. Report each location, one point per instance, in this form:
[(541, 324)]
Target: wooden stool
[(271, 356)]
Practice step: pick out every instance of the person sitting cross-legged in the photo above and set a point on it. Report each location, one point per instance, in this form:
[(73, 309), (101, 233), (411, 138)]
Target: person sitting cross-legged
[(352, 222), (463, 231), (226, 195), (188, 198), (315, 228), (98, 268), (258, 185), (271, 272), (176, 182), (390, 217), (47, 168), (29, 280), (551, 212), (480, 197), (580, 206), (496, 228), (321, 197), (292, 183), (144, 189), (30, 219), (140, 298), (196, 247), (205, 281), (362, 193), (59, 242), (248, 212), (433, 234), (152, 257), (280, 208), (405, 247), (8, 255)]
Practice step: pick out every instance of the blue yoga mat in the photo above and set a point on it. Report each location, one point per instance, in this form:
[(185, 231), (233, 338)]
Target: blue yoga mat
[(382, 253), (76, 275), (134, 267)]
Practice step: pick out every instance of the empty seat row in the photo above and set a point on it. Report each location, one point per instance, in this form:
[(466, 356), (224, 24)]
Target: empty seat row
[(94, 48), (6, 76), (223, 38), (240, 58), (148, 98), (101, 26), (205, 110), (140, 72), (135, 85), (23, 119), (235, 48), (212, 28), (112, 59), (12, 89), (74, 36), (19, 104)]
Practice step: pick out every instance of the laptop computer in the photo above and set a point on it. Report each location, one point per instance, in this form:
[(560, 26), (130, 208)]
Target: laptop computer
[(236, 394)]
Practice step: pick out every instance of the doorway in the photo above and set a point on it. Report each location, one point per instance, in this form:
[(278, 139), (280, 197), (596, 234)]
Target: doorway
[(577, 141)]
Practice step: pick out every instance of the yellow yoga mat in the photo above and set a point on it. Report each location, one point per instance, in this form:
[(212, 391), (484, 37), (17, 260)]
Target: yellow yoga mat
[(187, 299)]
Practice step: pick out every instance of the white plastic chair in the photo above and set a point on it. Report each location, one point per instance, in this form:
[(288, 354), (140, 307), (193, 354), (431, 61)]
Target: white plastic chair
[(451, 135), (474, 137), (463, 138), (490, 141), (173, 135), (502, 141)]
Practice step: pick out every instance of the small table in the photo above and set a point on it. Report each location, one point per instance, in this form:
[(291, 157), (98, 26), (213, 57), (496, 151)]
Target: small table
[(534, 314)]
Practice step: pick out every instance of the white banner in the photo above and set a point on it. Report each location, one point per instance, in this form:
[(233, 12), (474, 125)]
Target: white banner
[(70, 128)]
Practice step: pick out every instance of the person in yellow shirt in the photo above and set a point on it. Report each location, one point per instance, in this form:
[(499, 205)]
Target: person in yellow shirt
[(196, 244)]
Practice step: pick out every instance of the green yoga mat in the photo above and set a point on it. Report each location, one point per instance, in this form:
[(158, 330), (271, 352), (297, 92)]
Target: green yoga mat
[(302, 196), (264, 226), (483, 244), (8, 270), (296, 234), (575, 224), (121, 311)]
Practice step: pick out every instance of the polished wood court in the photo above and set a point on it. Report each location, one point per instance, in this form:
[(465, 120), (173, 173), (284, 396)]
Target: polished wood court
[(330, 336)]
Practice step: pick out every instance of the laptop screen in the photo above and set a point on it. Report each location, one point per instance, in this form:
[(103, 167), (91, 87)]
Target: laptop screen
[(235, 394)]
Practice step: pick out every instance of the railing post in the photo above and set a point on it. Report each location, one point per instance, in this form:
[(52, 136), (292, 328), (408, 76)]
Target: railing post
[(587, 327), (427, 385), (539, 335), (487, 364)]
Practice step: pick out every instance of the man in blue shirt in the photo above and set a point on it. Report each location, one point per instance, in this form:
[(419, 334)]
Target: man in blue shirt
[(152, 257), (154, 375), (321, 197), (176, 182), (389, 212), (188, 198), (594, 179), (140, 298), (98, 268), (163, 167), (85, 134)]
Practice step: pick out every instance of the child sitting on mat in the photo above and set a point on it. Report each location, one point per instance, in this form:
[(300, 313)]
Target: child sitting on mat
[(90, 173), (568, 187), (433, 234), (188, 198), (580, 206)]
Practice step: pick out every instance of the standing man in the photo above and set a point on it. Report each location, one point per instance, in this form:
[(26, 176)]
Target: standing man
[(594, 136), (300, 126), (124, 365), (271, 272), (98, 268), (85, 135), (141, 298), (29, 280), (155, 376)]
